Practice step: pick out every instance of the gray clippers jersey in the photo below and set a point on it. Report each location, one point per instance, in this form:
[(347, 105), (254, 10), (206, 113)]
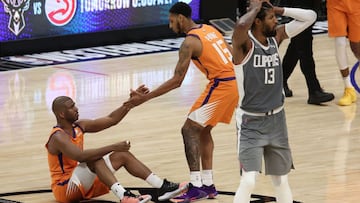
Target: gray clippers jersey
[(260, 78)]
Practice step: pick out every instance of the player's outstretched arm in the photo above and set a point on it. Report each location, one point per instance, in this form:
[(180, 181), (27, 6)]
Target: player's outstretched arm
[(96, 125), (61, 143), (186, 51)]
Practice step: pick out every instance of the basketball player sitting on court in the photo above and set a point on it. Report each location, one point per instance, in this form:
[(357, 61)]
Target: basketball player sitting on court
[(79, 174)]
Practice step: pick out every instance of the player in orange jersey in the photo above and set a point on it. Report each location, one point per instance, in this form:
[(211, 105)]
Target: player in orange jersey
[(79, 174), (207, 49), (344, 22)]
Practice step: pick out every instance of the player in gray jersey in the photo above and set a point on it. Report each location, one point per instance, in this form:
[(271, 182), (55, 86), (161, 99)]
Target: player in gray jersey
[(260, 117)]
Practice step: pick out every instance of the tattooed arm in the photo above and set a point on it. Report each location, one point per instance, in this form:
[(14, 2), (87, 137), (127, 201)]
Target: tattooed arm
[(191, 47)]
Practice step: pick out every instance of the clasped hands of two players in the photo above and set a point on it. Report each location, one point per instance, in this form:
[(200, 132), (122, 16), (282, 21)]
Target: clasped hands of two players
[(137, 96)]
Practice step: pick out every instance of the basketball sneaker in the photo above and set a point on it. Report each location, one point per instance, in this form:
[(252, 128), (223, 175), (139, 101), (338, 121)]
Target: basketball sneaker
[(348, 98), (169, 190), (132, 198), (210, 191), (193, 194)]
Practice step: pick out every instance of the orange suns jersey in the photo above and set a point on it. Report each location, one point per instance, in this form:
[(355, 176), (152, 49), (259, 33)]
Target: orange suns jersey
[(60, 166), (216, 59)]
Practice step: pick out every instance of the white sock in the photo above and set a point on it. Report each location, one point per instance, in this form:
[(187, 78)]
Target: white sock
[(195, 178), (282, 189), (347, 81), (154, 180), (207, 177), (118, 190), (247, 185)]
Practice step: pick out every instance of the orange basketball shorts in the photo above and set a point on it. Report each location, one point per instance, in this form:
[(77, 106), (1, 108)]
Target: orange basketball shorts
[(97, 189), (217, 103), (344, 19)]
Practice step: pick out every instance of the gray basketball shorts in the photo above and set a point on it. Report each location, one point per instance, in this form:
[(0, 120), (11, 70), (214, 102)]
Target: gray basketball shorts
[(264, 136)]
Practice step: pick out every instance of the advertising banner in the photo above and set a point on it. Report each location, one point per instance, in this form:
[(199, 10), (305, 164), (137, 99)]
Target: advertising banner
[(31, 19)]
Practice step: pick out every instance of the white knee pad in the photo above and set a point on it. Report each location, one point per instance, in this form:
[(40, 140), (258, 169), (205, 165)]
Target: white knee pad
[(278, 180), (249, 179), (247, 185), (83, 176), (108, 163), (341, 53), (282, 189)]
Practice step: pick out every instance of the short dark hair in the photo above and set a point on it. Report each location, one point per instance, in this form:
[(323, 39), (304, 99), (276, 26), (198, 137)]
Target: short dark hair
[(262, 13), (181, 8)]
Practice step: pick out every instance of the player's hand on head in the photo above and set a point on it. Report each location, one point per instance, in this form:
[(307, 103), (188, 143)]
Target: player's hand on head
[(268, 1), (122, 146), (255, 4)]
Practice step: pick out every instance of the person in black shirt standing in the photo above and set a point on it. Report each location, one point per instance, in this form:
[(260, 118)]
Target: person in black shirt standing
[(301, 49)]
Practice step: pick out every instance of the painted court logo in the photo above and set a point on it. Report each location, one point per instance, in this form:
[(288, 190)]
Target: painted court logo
[(60, 12), (352, 76), (16, 9)]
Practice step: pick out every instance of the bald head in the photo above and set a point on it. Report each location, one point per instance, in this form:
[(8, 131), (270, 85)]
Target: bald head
[(59, 103)]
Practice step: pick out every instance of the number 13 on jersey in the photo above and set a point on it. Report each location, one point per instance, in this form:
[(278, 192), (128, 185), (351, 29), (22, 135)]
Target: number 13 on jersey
[(269, 75)]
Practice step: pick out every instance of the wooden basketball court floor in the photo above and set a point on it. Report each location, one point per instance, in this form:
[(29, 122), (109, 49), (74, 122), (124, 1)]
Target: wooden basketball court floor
[(325, 140)]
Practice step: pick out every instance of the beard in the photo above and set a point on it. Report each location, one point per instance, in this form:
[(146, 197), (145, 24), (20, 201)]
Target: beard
[(178, 29), (72, 118), (269, 32)]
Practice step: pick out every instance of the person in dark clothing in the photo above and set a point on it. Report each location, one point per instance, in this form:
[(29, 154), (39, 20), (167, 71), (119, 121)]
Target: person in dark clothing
[(301, 49)]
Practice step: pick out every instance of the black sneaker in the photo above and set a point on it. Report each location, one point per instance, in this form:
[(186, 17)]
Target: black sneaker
[(319, 97), (288, 92), (169, 190)]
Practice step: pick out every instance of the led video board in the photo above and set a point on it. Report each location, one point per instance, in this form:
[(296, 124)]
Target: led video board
[(31, 19)]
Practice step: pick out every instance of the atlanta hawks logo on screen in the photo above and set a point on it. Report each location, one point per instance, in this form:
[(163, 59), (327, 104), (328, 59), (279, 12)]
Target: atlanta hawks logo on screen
[(60, 12), (16, 9)]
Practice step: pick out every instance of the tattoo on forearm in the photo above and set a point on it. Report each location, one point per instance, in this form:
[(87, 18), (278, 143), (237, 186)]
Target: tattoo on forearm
[(184, 55)]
